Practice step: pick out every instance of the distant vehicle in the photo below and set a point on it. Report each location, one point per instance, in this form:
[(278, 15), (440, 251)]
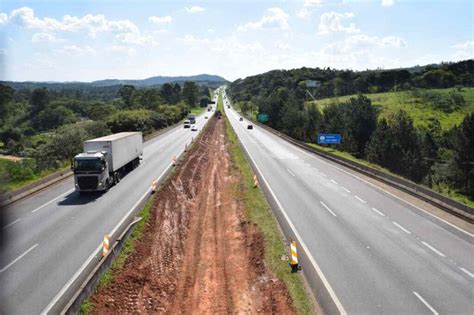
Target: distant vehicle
[(187, 124), (194, 128), (241, 119), (192, 119), (205, 117), (228, 106), (249, 126), (105, 160)]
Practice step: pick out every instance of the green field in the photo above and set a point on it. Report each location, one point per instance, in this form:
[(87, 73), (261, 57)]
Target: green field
[(419, 110)]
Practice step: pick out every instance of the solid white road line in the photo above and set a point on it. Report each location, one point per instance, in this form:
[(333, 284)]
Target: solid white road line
[(347, 190), (470, 274), (53, 200), (316, 267), (378, 212), (323, 174), (358, 198), (426, 303), (433, 249), (401, 227), (291, 173), (18, 258), (327, 208), (314, 156), (10, 224), (333, 181)]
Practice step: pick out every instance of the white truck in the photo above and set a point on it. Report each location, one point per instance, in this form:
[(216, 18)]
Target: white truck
[(105, 160)]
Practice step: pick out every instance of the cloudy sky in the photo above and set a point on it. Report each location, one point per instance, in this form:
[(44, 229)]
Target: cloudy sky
[(92, 40)]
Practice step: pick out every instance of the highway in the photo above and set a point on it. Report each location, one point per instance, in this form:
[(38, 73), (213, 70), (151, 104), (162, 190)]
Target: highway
[(379, 254), (52, 233)]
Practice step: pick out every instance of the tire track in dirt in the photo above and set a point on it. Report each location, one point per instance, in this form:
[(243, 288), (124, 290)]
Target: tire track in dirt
[(199, 254)]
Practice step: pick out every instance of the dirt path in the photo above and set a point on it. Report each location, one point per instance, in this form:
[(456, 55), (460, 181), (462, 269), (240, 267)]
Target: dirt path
[(199, 255)]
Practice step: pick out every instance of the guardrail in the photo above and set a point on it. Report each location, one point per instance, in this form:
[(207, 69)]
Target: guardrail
[(452, 206)]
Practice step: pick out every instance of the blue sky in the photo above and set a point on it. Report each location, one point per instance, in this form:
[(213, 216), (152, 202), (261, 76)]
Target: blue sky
[(92, 40)]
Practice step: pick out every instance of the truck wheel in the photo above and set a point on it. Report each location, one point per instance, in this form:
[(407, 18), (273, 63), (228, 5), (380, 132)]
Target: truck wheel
[(117, 177)]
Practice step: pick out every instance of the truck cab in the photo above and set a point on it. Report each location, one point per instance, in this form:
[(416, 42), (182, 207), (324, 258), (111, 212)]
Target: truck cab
[(91, 171)]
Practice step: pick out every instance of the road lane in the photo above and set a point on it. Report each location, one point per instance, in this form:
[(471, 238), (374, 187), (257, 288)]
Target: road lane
[(67, 227), (372, 264)]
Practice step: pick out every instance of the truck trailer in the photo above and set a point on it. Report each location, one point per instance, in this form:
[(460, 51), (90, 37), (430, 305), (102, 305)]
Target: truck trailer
[(105, 160)]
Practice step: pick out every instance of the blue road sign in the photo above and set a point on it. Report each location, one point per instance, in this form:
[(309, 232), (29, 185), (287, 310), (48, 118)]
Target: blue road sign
[(329, 138)]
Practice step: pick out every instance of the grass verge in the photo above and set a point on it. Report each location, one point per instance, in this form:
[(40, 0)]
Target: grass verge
[(258, 212)]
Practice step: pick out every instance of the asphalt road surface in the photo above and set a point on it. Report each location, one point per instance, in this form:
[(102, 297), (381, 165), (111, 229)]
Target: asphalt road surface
[(379, 254), (52, 233)]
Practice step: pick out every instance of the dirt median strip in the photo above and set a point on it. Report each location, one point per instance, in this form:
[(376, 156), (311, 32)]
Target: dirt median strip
[(199, 253)]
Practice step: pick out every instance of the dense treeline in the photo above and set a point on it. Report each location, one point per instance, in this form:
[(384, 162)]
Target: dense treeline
[(431, 156), (347, 82), (48, 126)]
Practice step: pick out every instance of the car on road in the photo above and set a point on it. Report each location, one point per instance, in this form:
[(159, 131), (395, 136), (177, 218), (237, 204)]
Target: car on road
[(205, 117), (187, 124), (249, 126), (194, 128), (241, 119)]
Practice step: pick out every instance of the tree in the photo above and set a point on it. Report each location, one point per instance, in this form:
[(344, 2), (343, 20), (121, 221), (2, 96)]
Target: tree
[(127, 93), (6, 95), (131, 120), (463, 145), (176, 94), (190, 93), (66, 142), (167, 93), (396, 146), (39, 100)]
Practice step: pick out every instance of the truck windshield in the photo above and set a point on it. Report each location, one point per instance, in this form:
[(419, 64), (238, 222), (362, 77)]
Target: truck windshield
[(87, 165)]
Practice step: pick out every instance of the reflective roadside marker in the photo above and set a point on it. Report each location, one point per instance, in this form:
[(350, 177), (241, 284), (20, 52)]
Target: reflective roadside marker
[(294, 257), (255, 181), (174, 161), (154, 186), (185, 147), (105, 245)]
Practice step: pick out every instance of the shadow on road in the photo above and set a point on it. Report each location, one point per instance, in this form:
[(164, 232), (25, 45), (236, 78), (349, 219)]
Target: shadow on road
[(74, 198)]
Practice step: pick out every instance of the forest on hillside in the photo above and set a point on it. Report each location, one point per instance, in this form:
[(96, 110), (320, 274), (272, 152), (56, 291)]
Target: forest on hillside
[(440, 159), (45, 127)]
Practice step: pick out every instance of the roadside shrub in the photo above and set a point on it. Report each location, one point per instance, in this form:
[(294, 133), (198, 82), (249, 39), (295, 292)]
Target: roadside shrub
[(21, 170)]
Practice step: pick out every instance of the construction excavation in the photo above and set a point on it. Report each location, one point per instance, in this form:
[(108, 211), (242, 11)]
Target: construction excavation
[(199, 253)]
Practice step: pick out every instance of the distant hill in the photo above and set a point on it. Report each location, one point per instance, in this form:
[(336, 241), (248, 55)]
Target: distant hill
[(209, 80), (158, 80)]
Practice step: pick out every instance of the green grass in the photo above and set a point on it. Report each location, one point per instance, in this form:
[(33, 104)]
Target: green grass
[(87, 306), (258, 211), (198, 110), (11, 185), (421, 112)]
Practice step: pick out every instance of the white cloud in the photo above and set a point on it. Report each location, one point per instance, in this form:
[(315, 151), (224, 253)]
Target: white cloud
[(194, 9), (308, 8), (136, 39), (93, 24), (76, 51), (388, 3), (274, 18), (160, 19), (3, 18), (363, 43), (331, 22), (44, 38), (464, 50), (130, 51)]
